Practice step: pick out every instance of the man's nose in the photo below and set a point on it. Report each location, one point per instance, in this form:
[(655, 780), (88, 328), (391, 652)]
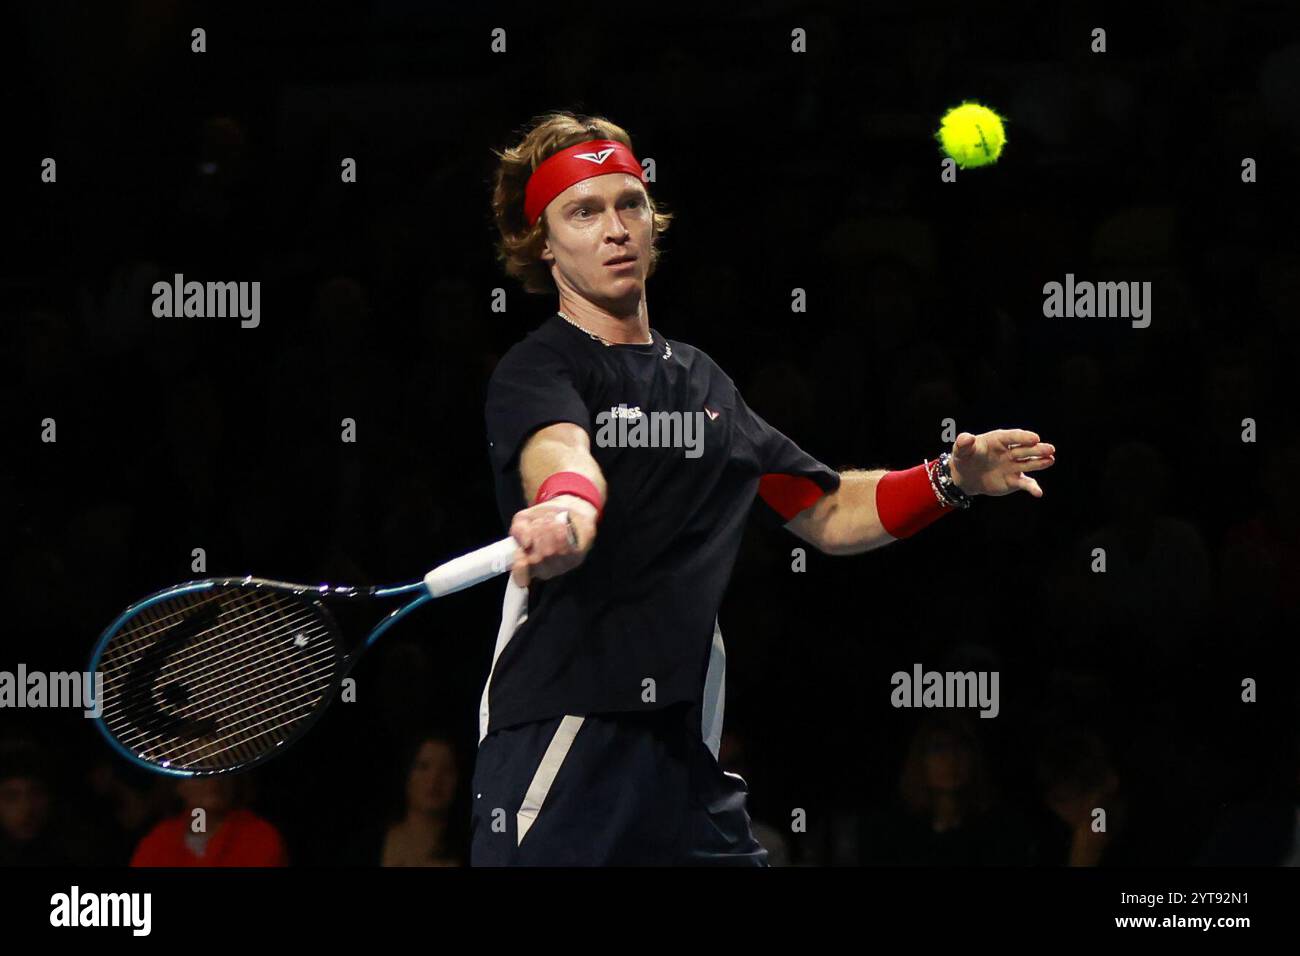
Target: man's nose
[(615, 227)]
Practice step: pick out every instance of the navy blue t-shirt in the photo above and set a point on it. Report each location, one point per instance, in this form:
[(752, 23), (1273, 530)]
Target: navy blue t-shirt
[(683, 457)]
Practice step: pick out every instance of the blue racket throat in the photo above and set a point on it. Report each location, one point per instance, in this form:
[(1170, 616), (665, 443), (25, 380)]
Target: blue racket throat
[(219, 675)]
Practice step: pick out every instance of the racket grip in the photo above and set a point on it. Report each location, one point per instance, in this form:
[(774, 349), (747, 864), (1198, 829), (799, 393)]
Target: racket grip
[(471, 569)]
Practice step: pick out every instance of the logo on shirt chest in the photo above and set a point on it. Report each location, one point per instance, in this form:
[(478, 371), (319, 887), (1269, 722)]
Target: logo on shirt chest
[(624, 427)]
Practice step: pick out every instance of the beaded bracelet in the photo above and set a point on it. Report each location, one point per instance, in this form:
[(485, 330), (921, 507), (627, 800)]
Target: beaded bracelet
[(945, 489)]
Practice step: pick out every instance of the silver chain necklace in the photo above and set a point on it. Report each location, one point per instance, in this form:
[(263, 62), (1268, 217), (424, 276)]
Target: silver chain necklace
[(601, 338)]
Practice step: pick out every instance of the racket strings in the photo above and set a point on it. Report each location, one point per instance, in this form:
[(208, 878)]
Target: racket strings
[(229, 640), (222, 700), (233, 713), (244, 716), (245, 677), (245, 626), (242, 739), (133, 638), (233, 703), (216, 676)]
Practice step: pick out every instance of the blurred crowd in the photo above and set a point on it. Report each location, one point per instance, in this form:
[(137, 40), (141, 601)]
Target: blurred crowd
[(947, 809), (116, 819)]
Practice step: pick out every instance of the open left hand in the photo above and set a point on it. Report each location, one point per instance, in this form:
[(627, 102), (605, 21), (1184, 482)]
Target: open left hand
[(996, 462)]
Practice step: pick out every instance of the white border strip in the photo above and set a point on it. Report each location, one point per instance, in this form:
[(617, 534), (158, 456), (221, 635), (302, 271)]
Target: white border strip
[(514, 611)]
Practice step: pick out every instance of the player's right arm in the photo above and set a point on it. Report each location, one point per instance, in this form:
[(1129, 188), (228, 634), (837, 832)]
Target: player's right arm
[(544, 546)]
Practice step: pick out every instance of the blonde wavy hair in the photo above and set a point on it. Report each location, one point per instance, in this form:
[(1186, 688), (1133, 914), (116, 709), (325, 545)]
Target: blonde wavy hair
[(519, 246)]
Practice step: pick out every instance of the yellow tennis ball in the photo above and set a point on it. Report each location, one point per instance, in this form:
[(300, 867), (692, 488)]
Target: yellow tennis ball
[(972, 135)]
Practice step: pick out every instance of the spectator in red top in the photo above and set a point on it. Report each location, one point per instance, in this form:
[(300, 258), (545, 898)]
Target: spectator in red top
[(224, 834)]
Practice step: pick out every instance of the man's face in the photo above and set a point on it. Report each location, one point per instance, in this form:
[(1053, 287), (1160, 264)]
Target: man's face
[(590, 224)]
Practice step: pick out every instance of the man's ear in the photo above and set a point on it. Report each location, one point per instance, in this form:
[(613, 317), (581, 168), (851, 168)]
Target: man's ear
[(547, 255)]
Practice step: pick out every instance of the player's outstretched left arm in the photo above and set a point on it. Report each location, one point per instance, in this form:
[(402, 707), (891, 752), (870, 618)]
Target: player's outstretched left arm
[(848, 521)]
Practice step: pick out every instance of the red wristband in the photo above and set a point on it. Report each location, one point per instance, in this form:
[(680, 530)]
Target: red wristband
[(906, 501), (570, 483)]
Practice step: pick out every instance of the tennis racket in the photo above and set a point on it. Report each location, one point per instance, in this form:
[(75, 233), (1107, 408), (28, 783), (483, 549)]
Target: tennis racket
[(217, 676)]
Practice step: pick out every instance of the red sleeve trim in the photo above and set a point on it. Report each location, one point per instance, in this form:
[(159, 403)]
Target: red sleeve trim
[(789, 494)]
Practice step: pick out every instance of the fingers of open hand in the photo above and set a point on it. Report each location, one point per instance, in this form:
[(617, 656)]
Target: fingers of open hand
[(1027, 452), (1032, 464), (1015, 436), (1025, 483)]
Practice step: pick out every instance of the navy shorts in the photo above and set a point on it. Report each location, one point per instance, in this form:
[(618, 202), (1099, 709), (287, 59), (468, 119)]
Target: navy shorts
[(627, 789)]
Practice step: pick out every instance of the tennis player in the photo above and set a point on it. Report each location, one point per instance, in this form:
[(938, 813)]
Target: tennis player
[(601, 717)]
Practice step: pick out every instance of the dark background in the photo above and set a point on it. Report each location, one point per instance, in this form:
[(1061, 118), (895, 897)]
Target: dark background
[(817, 171)]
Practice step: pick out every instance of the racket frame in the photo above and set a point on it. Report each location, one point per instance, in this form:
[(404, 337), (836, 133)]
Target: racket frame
[(344, 660)]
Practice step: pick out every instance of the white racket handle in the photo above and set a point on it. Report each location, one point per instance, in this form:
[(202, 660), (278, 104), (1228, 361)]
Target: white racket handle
[(471, 569)]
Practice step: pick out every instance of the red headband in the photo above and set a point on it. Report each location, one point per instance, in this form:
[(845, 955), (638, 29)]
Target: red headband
[(596, 157)]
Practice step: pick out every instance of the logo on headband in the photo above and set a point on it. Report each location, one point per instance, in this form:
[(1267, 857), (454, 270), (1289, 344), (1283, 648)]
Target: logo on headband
[(597, 158)]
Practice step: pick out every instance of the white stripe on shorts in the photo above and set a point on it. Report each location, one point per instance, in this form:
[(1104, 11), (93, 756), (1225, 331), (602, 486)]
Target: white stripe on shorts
[(556, 751)]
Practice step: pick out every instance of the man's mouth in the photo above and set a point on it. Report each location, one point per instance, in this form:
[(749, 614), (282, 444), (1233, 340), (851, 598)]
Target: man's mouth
[(620, 260)]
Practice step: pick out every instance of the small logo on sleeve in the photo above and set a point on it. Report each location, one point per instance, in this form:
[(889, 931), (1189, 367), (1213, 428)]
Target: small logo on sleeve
[(711, 413)]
